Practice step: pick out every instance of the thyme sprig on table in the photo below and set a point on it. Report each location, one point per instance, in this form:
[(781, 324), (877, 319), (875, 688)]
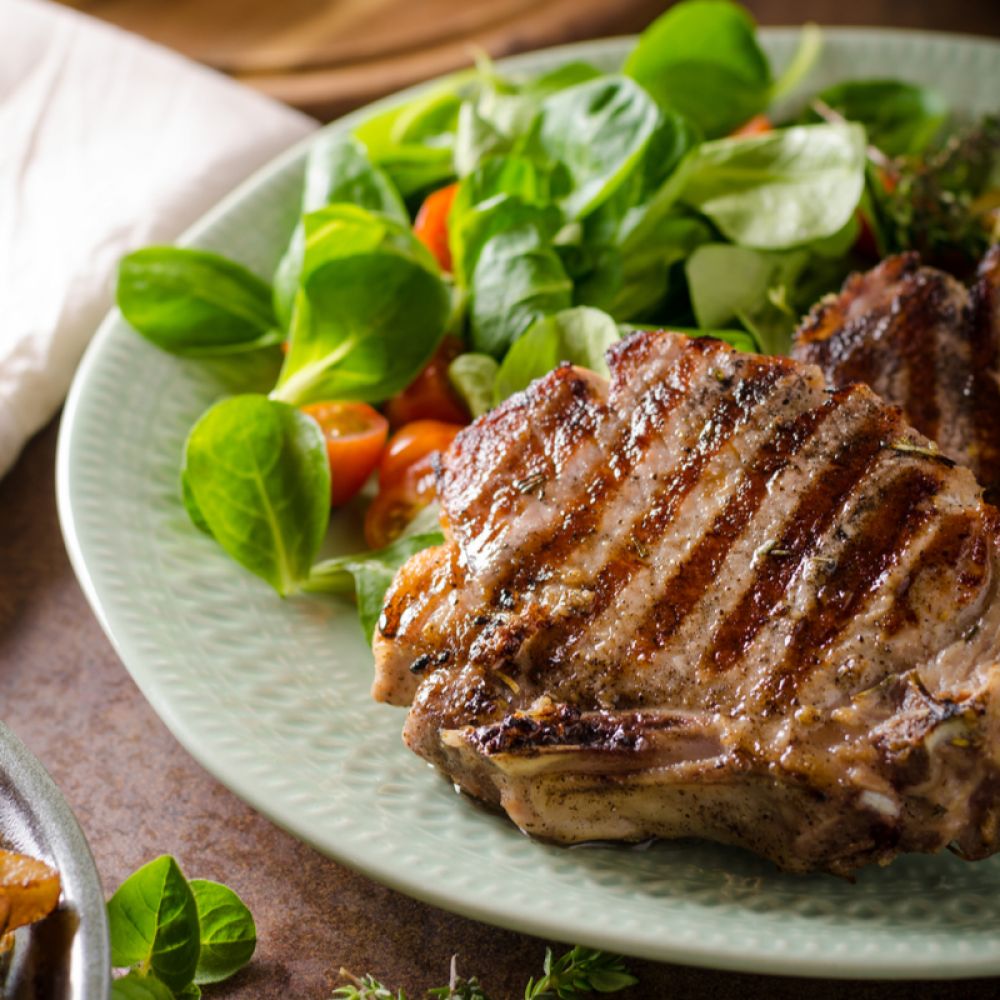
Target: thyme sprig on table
[(578, 973)]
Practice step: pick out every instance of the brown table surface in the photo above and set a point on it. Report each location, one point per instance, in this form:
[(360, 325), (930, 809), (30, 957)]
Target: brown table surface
[(138, 794)]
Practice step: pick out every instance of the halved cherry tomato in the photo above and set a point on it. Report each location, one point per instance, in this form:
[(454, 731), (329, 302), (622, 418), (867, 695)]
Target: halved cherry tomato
[(355, 435), (431, 224), (393, 508), (758, 125), (410, 444), (430, 395)]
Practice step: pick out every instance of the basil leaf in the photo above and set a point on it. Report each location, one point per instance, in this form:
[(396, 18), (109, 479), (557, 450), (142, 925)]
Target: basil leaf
[(257, 472), (338, 170), (701, 58), (153, 922), (136, 986), (779, 190), (472, 376), (228, 934), (194, 303), (580, 336), (517, 280), (900, 118), (370, 310), (597, 131), (368, 575)]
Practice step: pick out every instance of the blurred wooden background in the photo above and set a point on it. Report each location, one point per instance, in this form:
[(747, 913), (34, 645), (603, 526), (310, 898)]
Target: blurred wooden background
[(328, 56)]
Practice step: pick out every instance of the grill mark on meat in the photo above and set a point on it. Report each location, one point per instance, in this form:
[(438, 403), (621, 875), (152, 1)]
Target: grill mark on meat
[(730, 413), (581, 519), (955, 542), (693, 578), (919, 308), (879, 544), (553, 431), (816, 510)]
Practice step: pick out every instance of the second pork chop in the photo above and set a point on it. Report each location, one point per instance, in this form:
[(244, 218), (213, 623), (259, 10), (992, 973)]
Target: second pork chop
[(922, 341)]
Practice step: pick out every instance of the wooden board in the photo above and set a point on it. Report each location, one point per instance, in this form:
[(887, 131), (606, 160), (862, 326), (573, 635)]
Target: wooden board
[(328, 56)]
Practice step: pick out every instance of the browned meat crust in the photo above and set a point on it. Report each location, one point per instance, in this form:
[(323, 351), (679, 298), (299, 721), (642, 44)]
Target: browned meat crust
[(924, 342), (712, 598)]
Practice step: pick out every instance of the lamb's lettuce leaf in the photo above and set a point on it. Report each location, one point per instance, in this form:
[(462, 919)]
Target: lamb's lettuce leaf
[(702, 59), (369, 313), (580, 336), (779, 190), (257, 473), (194, 303)]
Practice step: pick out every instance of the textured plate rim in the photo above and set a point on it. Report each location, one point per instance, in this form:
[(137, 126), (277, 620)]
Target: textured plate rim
[(733, 957)]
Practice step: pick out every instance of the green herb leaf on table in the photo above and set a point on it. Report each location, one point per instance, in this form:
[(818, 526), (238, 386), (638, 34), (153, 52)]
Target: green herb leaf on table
[(194, 303), (581, 336), (703, 60), (370, 310), (368, 575), (257, 471), (578, 972), (153, 922), (137, 986), (779, 190), (228, 935)]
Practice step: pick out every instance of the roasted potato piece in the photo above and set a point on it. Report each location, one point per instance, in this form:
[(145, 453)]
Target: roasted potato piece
[(29, 890)]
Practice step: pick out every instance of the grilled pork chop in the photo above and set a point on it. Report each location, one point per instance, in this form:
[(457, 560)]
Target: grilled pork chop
[(712, 598), (924, 342)]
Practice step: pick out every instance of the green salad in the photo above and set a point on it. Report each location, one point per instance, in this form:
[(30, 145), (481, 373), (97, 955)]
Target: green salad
[(493, 227)]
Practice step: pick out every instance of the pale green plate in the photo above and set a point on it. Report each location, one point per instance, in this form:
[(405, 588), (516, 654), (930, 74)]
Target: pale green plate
[(272, 696)]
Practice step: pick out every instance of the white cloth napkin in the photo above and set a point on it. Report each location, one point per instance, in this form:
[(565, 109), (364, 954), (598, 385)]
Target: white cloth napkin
[(107, 143)]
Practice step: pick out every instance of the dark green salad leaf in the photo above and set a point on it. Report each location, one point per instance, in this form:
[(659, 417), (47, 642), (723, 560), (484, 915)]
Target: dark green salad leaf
[(370, 310), (256, 472), (337, 170), (702, 59), (580, 336), (900, 118), (138, 986), (597, 132), (517, 279), (194, 303)]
